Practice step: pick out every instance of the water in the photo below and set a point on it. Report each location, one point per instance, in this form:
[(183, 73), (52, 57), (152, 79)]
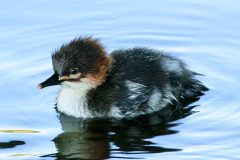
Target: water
[(205, 34)]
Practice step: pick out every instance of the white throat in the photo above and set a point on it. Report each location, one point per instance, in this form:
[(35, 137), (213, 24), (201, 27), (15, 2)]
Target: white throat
[(72, 99)]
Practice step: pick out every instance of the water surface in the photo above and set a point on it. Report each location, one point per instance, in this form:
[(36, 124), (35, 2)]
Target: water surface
[(205, 34)]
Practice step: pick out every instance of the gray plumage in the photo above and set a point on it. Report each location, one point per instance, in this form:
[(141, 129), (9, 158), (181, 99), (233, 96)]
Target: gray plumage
[(143, 81)]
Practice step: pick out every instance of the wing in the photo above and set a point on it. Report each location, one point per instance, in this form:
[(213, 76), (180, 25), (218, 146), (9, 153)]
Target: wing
[(130, 96)]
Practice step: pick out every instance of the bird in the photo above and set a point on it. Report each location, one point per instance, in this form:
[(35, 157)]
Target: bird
[(125, 83)]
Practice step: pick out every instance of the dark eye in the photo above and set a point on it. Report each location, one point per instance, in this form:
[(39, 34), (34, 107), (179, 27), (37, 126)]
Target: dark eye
[(74, 71)]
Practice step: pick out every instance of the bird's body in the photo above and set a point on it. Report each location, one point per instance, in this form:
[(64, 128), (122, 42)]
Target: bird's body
[(125, 83)]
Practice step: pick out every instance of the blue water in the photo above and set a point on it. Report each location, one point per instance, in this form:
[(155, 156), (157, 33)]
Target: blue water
[(205, 34)]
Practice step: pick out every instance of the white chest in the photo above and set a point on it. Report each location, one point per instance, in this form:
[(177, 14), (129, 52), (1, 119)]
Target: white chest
[(72, 100)]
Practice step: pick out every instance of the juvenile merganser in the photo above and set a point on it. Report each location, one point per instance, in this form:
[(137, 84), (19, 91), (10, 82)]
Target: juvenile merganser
[(125, 83)]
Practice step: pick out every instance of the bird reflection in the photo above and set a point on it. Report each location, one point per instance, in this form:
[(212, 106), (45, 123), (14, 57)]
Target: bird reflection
[(11, 144), (101, 138), (79, 141)]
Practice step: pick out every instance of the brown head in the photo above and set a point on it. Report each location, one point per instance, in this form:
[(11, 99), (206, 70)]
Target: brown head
[(82, 60)]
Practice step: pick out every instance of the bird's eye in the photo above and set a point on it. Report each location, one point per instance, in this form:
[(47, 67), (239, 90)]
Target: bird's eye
[(74, 71)]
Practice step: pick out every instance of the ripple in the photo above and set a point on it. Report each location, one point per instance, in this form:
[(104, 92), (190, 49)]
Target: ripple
[(205, 34)]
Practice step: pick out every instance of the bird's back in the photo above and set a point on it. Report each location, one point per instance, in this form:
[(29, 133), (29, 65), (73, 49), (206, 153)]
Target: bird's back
[(143, 81)]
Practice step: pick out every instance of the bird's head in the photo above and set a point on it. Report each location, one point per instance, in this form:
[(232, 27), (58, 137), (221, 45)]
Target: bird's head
[(83, 60)]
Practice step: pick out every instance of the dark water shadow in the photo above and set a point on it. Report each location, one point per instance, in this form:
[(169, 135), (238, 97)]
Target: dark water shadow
[(95, 138), (11, 144)]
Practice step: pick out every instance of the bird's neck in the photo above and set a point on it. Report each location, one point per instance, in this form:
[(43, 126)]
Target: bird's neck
[(72, 99)]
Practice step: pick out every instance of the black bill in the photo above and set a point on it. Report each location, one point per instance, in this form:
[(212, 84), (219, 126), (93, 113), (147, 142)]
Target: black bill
[(53, 80)]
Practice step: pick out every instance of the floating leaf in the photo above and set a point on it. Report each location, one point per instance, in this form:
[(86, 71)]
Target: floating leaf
[(19, 131)]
